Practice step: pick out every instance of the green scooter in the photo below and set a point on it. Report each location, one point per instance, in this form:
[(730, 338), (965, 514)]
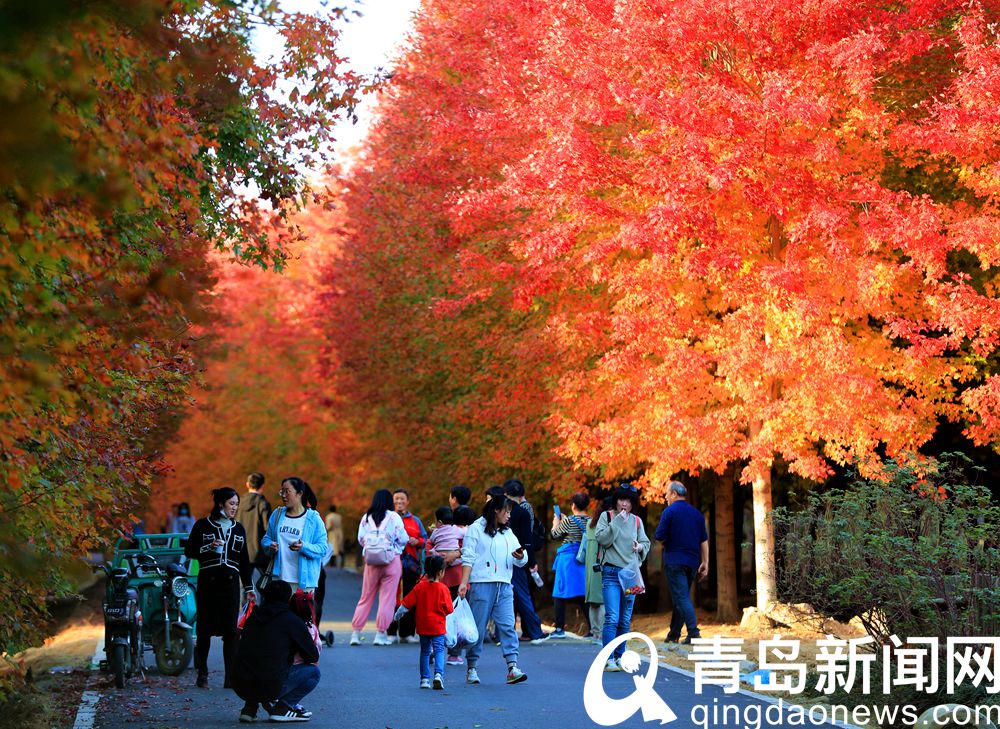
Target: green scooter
[(166, 599)]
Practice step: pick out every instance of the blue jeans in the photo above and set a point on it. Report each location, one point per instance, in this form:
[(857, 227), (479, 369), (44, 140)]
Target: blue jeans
[(531, 625), (679, 580), (493, 600), (617, 608), (302, 679), (429, 643)]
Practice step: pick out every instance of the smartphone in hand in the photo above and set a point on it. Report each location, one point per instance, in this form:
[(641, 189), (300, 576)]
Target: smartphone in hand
[(557, 511)]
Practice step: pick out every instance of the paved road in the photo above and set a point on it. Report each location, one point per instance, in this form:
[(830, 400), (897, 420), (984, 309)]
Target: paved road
[(372, 687)]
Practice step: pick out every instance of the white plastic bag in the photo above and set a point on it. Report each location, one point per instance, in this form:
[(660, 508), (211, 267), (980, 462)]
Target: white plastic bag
[(460, 626), (630, 578)]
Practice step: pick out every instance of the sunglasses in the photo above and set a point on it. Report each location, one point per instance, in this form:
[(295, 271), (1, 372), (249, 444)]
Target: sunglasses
[(628, 487)]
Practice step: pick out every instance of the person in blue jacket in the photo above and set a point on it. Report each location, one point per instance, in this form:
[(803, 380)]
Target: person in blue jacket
[(296, 537), (685, 558)]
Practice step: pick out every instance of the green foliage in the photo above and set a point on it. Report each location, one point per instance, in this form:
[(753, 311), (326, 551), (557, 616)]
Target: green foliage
[(129, 136), (914, 555)]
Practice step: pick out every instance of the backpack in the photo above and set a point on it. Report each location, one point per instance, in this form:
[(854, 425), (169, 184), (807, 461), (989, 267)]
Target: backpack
[(377, 550), (538, 534)]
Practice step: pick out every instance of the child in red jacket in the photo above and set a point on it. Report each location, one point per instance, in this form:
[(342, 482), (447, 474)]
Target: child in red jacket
[(433, 604)]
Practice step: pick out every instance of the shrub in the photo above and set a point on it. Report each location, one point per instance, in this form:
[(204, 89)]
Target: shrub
[(914, 555)]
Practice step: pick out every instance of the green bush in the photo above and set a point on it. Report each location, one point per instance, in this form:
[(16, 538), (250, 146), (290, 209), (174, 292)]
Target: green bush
[(914, 555)]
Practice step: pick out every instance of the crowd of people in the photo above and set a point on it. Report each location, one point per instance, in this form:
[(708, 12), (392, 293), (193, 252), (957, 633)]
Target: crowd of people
[(249, 552)]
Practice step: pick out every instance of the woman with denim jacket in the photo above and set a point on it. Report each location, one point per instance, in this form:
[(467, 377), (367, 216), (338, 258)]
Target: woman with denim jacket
[(296, 537), (622, 539)]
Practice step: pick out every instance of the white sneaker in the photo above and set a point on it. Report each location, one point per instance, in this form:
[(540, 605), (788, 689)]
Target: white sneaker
[(425, 683), (438, 682), (471, 676), (612, 666), (381, 639), (411, 639), (516, 675), (355, 638)]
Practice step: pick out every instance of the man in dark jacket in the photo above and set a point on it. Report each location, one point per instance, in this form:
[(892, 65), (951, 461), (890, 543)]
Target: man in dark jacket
[(520, 524), (263, 672), (685, 558), (253, 513)]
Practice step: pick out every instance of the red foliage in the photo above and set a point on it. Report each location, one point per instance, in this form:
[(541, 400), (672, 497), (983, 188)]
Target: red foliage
[(668, 236)]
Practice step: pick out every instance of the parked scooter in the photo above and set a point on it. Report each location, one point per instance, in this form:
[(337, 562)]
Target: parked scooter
[(122, 626), (169, 610)]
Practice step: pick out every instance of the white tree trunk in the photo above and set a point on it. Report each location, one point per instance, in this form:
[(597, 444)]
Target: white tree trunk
[(763, 538)]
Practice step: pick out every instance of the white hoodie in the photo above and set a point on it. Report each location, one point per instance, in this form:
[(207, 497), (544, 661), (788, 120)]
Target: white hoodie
[(491, 558), (391, 526)]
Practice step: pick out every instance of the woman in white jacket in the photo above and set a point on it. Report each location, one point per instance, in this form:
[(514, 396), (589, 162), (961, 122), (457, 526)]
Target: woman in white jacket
[(489, 552), (383, 537)]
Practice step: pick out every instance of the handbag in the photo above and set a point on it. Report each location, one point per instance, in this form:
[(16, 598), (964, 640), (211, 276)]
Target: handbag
[(268, 577), (245, 612), (581, 551)]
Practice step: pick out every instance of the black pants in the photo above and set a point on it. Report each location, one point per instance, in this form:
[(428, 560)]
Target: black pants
[(560, 603), (320, 595), (201, 651), (408, 625), (524, 606), (218, 599)]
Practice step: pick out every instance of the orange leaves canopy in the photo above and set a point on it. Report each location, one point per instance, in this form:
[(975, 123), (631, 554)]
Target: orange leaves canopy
[(676, 235)]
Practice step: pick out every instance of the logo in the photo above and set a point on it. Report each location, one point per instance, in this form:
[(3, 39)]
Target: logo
[(604, 710)]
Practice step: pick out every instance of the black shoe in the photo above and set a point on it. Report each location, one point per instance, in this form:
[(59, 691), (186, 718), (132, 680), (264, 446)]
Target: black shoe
[(202, 680), (248, 714), (672, 638), (283, 712), (687, 640)]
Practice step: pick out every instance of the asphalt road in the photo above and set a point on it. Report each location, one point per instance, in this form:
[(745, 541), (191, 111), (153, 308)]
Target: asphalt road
[(372, 687)]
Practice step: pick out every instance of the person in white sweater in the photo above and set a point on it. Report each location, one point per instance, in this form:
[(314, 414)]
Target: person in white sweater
[(489, 553)]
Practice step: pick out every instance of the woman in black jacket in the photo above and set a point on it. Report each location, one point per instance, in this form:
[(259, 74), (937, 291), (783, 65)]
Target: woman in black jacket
[(219, 543)]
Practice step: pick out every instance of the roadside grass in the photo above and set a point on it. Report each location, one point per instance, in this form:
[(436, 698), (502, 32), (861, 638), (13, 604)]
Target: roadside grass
[(46, 681)]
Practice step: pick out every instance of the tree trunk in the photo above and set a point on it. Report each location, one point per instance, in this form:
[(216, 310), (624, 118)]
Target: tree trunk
[(763, 538), (728, 607)]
